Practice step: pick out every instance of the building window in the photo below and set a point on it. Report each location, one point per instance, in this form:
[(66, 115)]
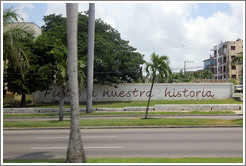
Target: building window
[(233, 48), (234, 76), (232, 57), (224, 60), (233, 67)]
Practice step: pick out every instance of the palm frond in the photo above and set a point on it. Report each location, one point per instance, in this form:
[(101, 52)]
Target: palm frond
[(11, 15)]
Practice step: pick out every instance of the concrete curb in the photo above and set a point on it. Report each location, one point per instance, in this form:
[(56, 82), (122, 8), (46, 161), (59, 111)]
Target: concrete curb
[(120, 127), (156, 108)]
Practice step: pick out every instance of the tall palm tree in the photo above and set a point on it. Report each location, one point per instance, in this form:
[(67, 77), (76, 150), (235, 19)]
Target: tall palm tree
[(158, 64), (75, 151), (90, 56)]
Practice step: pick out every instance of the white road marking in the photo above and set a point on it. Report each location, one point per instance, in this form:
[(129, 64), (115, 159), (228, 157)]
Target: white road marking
[(52, 137), (92, 137), (112, 147), (47, 148), (55, 148)]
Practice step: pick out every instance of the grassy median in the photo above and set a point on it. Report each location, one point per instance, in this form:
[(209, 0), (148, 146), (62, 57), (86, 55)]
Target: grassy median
[(135, 160), (126, 122)]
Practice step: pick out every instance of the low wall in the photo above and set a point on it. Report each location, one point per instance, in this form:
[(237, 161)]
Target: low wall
[(135, 92)]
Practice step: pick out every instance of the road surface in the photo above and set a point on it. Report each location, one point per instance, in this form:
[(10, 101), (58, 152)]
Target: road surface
[(157, 143)]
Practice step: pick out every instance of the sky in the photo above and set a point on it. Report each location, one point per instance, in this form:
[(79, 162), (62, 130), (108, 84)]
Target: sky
[(183, 31)]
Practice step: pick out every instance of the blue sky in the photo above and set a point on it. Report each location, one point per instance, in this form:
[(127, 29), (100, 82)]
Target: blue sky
[(36, 14), (183, 31), (208, 9)]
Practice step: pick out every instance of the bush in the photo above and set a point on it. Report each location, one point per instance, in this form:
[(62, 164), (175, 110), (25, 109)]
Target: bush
[(232, 80)]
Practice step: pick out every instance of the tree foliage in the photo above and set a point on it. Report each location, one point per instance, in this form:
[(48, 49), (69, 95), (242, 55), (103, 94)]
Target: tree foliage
[(38, 76), (115, 61), (17, 39), (14, 35), (31, 61), (191, 76)]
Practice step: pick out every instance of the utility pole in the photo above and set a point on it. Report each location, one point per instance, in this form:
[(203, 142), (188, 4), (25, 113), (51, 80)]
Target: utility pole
[(185, 65), (90, 56)]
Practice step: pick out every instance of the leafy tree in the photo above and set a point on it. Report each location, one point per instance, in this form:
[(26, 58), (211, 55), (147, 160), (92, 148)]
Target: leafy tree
[(181, 77), (38, 76), (206, 74), (158, 64), (52, 46), (238, 60), (115, 61), (188, 76), (75, 151), (232, 80)]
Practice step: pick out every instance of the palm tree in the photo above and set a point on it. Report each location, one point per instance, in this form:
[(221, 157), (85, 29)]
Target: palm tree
[(158, 64), (13, 33), (62, 81), (75, 151), (90, 56), (13, 36), (10, 15)]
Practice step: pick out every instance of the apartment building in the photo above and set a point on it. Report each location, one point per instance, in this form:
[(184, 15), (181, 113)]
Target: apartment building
[(220, 61)]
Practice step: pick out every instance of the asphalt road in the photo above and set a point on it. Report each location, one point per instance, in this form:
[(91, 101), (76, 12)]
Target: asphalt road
[(236, 116), (171, 143)]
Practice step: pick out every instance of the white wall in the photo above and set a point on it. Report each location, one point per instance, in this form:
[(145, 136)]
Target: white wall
[(134, 92)]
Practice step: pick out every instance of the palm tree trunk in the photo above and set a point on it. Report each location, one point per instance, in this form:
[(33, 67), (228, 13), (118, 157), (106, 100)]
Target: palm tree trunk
[(147, 109), (90, 56), (141, 74), (75, 151), (4, 73), (62, 99)]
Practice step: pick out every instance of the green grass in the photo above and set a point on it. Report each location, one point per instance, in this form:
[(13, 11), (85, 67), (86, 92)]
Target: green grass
[(125, 122), (16, 115), (135, 160), (122, 104), (158, 102)]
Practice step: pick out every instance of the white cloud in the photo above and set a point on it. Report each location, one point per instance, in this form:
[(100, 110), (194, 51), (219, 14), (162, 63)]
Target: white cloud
[(168, 28), (21, 10)]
